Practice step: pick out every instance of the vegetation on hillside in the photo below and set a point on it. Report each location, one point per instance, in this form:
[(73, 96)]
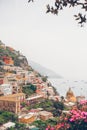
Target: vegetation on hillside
[(55, 107), (7, 116), (42, 124), (29, 89), (19, 59)]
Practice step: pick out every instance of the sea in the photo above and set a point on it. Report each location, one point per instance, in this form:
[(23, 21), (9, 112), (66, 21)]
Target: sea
[(79, 87)]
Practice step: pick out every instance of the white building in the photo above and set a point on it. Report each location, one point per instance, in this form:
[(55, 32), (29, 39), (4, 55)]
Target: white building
[(8, 125), (6, 89)]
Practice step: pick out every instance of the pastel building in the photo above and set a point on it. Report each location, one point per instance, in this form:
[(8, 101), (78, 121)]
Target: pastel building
[(27, 118), (11, 105), (34, 99), (45, 115), (8, 60), (12, 102)]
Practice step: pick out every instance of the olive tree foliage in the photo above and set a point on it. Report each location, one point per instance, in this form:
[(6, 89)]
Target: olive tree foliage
[(61, 4)]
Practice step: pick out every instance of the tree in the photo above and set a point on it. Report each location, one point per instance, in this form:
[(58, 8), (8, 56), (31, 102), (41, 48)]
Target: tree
[(59, 106), (44, 78), (20, 126), (61, 4), (7, 116), (40, 124), (2, 121)]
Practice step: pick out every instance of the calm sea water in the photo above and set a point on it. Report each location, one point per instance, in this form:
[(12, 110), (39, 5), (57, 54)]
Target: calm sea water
[(79, 87)]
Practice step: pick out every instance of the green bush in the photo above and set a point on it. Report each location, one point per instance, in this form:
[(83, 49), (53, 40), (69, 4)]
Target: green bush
[(29, 89), (7, 116)]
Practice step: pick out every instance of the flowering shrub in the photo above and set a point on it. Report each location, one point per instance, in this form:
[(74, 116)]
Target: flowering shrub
[(83, 102), (83, 105), (75, 120)]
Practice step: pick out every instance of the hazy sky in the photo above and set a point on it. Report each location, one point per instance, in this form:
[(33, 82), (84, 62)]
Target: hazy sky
[(56, 42)]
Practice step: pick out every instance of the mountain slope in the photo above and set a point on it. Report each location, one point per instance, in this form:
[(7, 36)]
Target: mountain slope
[(44, 71), (10, 56)]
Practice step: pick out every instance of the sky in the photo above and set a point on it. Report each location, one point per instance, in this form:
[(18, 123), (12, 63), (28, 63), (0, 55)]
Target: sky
[(56, 42)]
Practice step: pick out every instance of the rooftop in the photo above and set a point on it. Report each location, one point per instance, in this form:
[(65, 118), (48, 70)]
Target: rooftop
[(6, 85), (35, 97), (45, 113), (9, 124), (26, 116), (11, 97), (8, 99), (14, 95)]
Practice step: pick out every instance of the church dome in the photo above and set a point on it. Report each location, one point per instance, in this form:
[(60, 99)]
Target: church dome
[(70, 92), (70, 96)]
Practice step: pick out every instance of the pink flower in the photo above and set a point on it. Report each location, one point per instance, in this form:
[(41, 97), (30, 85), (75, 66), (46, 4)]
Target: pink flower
[(47, 128), (65, 119), (72, 119), (52, 128), (85, 120)]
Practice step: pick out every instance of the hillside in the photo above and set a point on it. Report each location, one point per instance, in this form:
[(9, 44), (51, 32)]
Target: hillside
[(44, 71), (10, 56)]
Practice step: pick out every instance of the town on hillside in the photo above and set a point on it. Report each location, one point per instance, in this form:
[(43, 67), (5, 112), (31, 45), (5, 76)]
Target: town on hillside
[(28, 101)]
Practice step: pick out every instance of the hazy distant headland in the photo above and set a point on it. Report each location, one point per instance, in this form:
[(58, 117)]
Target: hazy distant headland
[(44, 71)]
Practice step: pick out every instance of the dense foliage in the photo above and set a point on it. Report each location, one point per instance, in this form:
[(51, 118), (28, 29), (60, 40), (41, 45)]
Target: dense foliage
[(44, 78), (29, 89), (43, 124), (7, 116), (75, 119), (49, 105), (45, 104)]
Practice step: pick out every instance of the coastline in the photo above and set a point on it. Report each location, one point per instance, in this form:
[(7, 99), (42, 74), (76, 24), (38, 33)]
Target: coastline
[(79, 87)]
